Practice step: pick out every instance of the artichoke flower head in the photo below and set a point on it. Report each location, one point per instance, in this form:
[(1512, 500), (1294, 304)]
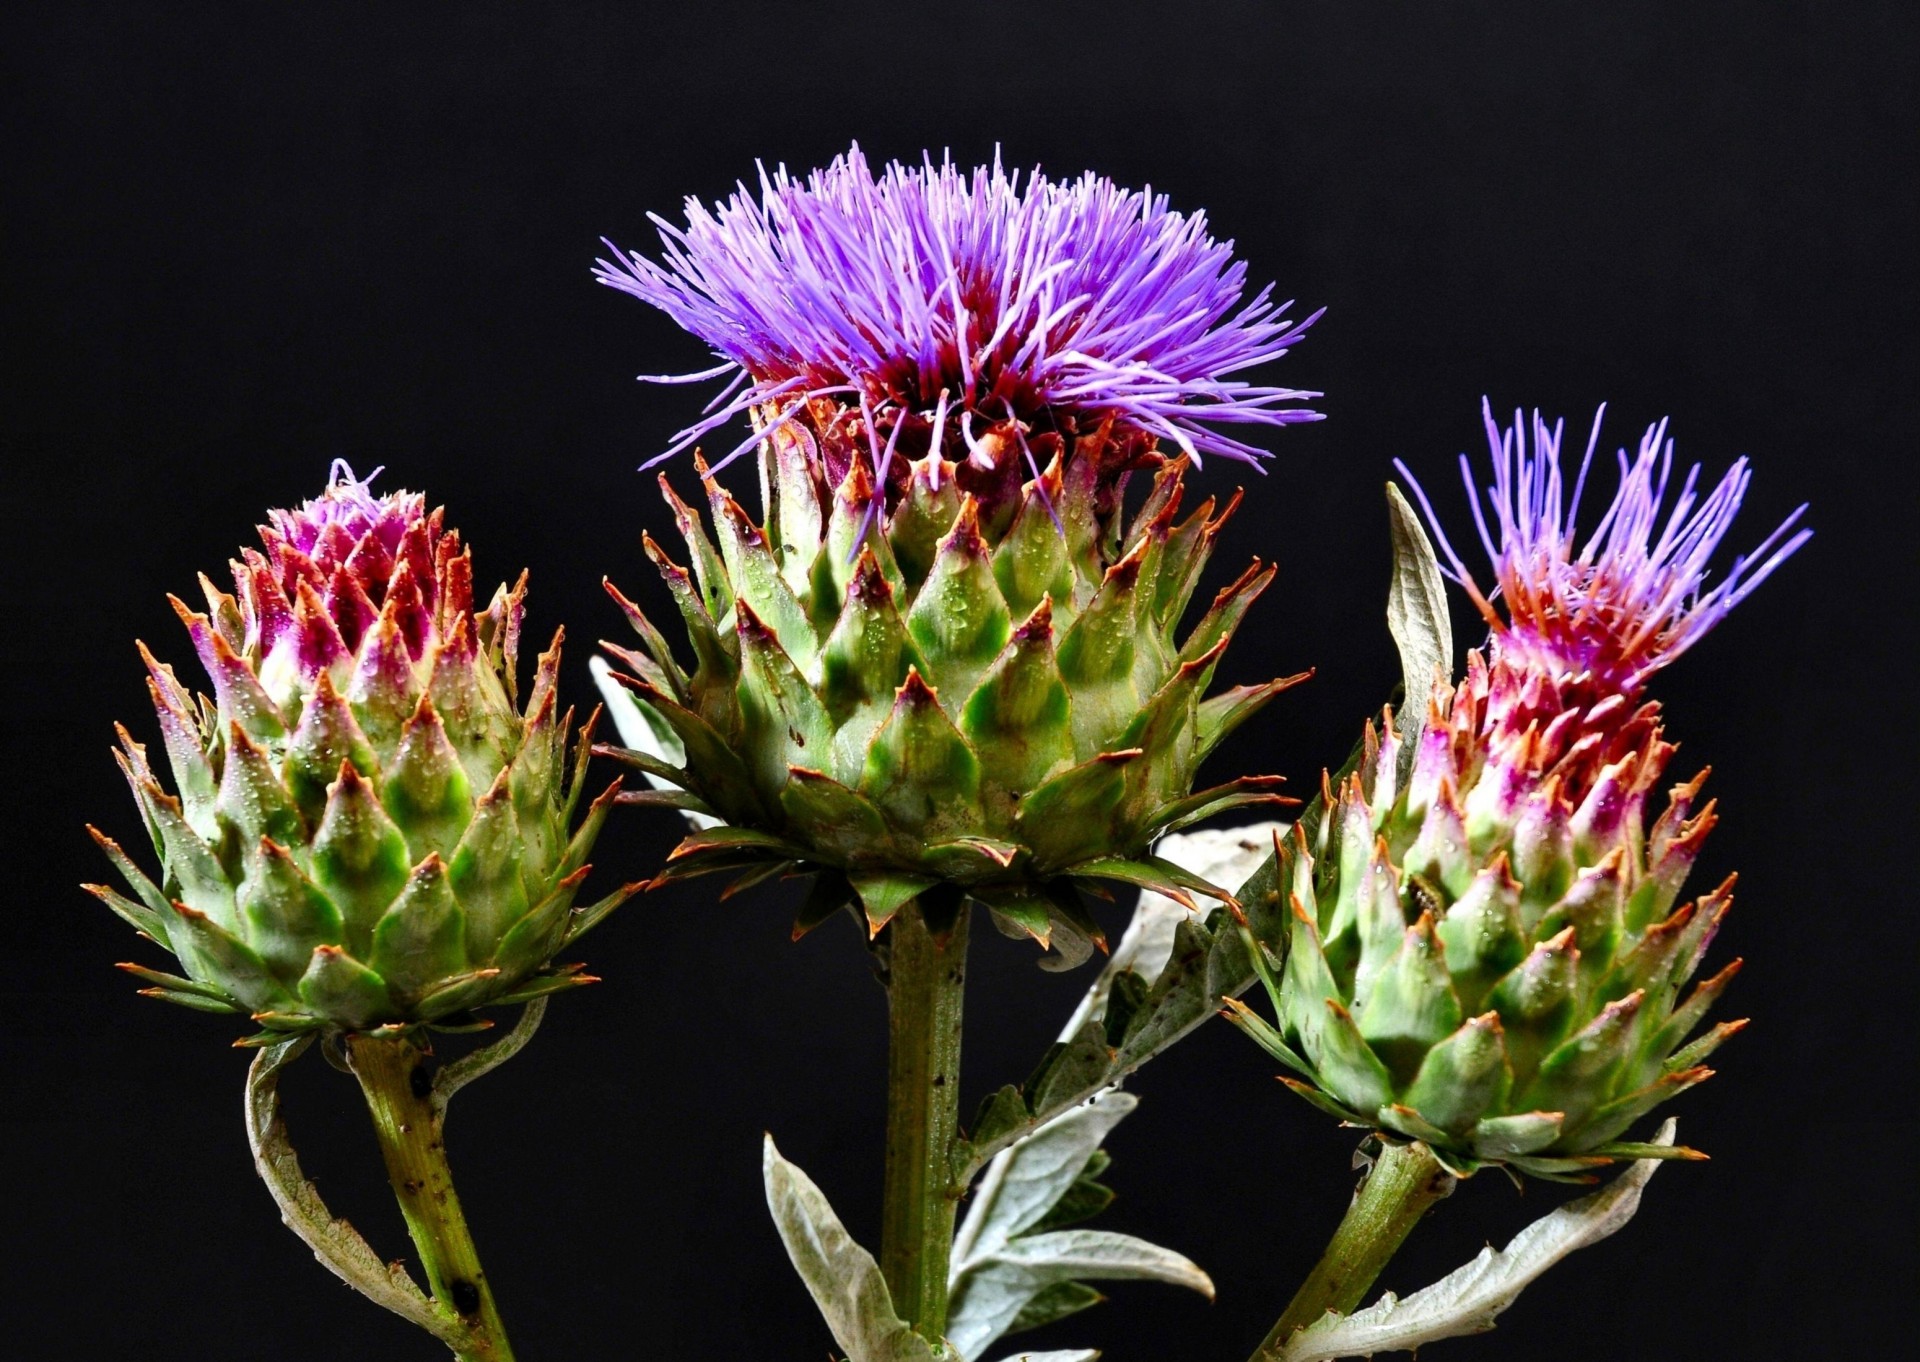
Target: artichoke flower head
[(366, 830), (947, 661), (1485, 952)]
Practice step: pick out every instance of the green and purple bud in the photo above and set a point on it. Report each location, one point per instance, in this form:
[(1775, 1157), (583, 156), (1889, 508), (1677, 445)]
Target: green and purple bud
[(366, 830), (1485, 951)]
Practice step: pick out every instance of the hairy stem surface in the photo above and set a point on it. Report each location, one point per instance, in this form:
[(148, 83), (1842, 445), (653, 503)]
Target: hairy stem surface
[(925, 983), (1404, 1182), (408, 1120)]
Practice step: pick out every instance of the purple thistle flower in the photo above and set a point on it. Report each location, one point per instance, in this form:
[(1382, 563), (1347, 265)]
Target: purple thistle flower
[(1634, 596), (967, 309)]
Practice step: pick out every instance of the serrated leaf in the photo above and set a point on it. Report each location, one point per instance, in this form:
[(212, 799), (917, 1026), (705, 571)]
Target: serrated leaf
[(334, 1242), (842, 1277), (991, 1296), (1026, 1180), (1467, 1300)]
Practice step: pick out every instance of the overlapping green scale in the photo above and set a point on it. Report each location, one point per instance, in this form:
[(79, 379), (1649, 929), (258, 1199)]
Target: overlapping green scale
[(987, 703)]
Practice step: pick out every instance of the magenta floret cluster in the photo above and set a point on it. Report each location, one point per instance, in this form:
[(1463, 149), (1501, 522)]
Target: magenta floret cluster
[(969, 297), (1634, 595)]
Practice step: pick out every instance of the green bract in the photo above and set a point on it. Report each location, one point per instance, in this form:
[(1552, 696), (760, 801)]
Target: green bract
[(367, 830), (988, 697)]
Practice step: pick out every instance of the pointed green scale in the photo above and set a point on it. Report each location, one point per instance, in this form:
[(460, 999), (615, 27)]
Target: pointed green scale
[(834, 566), (884, 893), (1503, 1137), (327, 736), (755, 578), (1031, 564), (1189, 546), (958, 621), (710, 572), (1593, 907), (384, 689), (1441, 852), (920, 772), (1096, 656), (867, 654), (844, 824), (426, 789), (252, 800), (1307, 985), (209, 949), (193, 773), (284, 911), (924, 516), (1348, 1065), (485, 868), (1463, 1076), (1070, 817), (1482, 933), (195, 875), (539, 932), (1380, 925), (1229, 608), (339, 987), (790, 491), (786, 724), (716, 656), (1166, 733), (1577, 1076), (422, 938), (1020, 715), (359, 856), (1542, 852), (1353, 831), (1411, 1005)]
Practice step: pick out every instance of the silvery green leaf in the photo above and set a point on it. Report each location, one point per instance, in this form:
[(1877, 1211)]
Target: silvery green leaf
[(997, 1287), (1024, 1182), (842, 1277), (1067, 1355), (644, 731), (1417, 613), (1225, 856), (336, 1243), (1467, 1300), (1183, 961)]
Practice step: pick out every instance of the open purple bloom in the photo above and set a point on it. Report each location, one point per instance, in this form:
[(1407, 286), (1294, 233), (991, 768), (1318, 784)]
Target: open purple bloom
[(1634, 596), (966, 312)]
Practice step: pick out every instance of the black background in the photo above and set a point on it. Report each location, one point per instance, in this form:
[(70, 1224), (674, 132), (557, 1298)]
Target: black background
[(243, 241)]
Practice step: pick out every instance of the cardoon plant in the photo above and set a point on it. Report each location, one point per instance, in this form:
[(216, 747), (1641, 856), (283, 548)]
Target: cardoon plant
[(1485, 962), (948, 664)]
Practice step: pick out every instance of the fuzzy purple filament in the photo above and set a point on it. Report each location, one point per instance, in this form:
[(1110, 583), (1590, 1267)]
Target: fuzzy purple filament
[(954, 297), (1633, 597)]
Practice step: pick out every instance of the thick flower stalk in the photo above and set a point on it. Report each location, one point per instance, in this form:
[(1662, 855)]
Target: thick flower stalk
[(948, 656), (1485, 954), (367, 832)]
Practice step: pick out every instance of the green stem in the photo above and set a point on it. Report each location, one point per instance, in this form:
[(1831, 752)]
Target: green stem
[(408, 1118), (1404, 1181), (926, 978)]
